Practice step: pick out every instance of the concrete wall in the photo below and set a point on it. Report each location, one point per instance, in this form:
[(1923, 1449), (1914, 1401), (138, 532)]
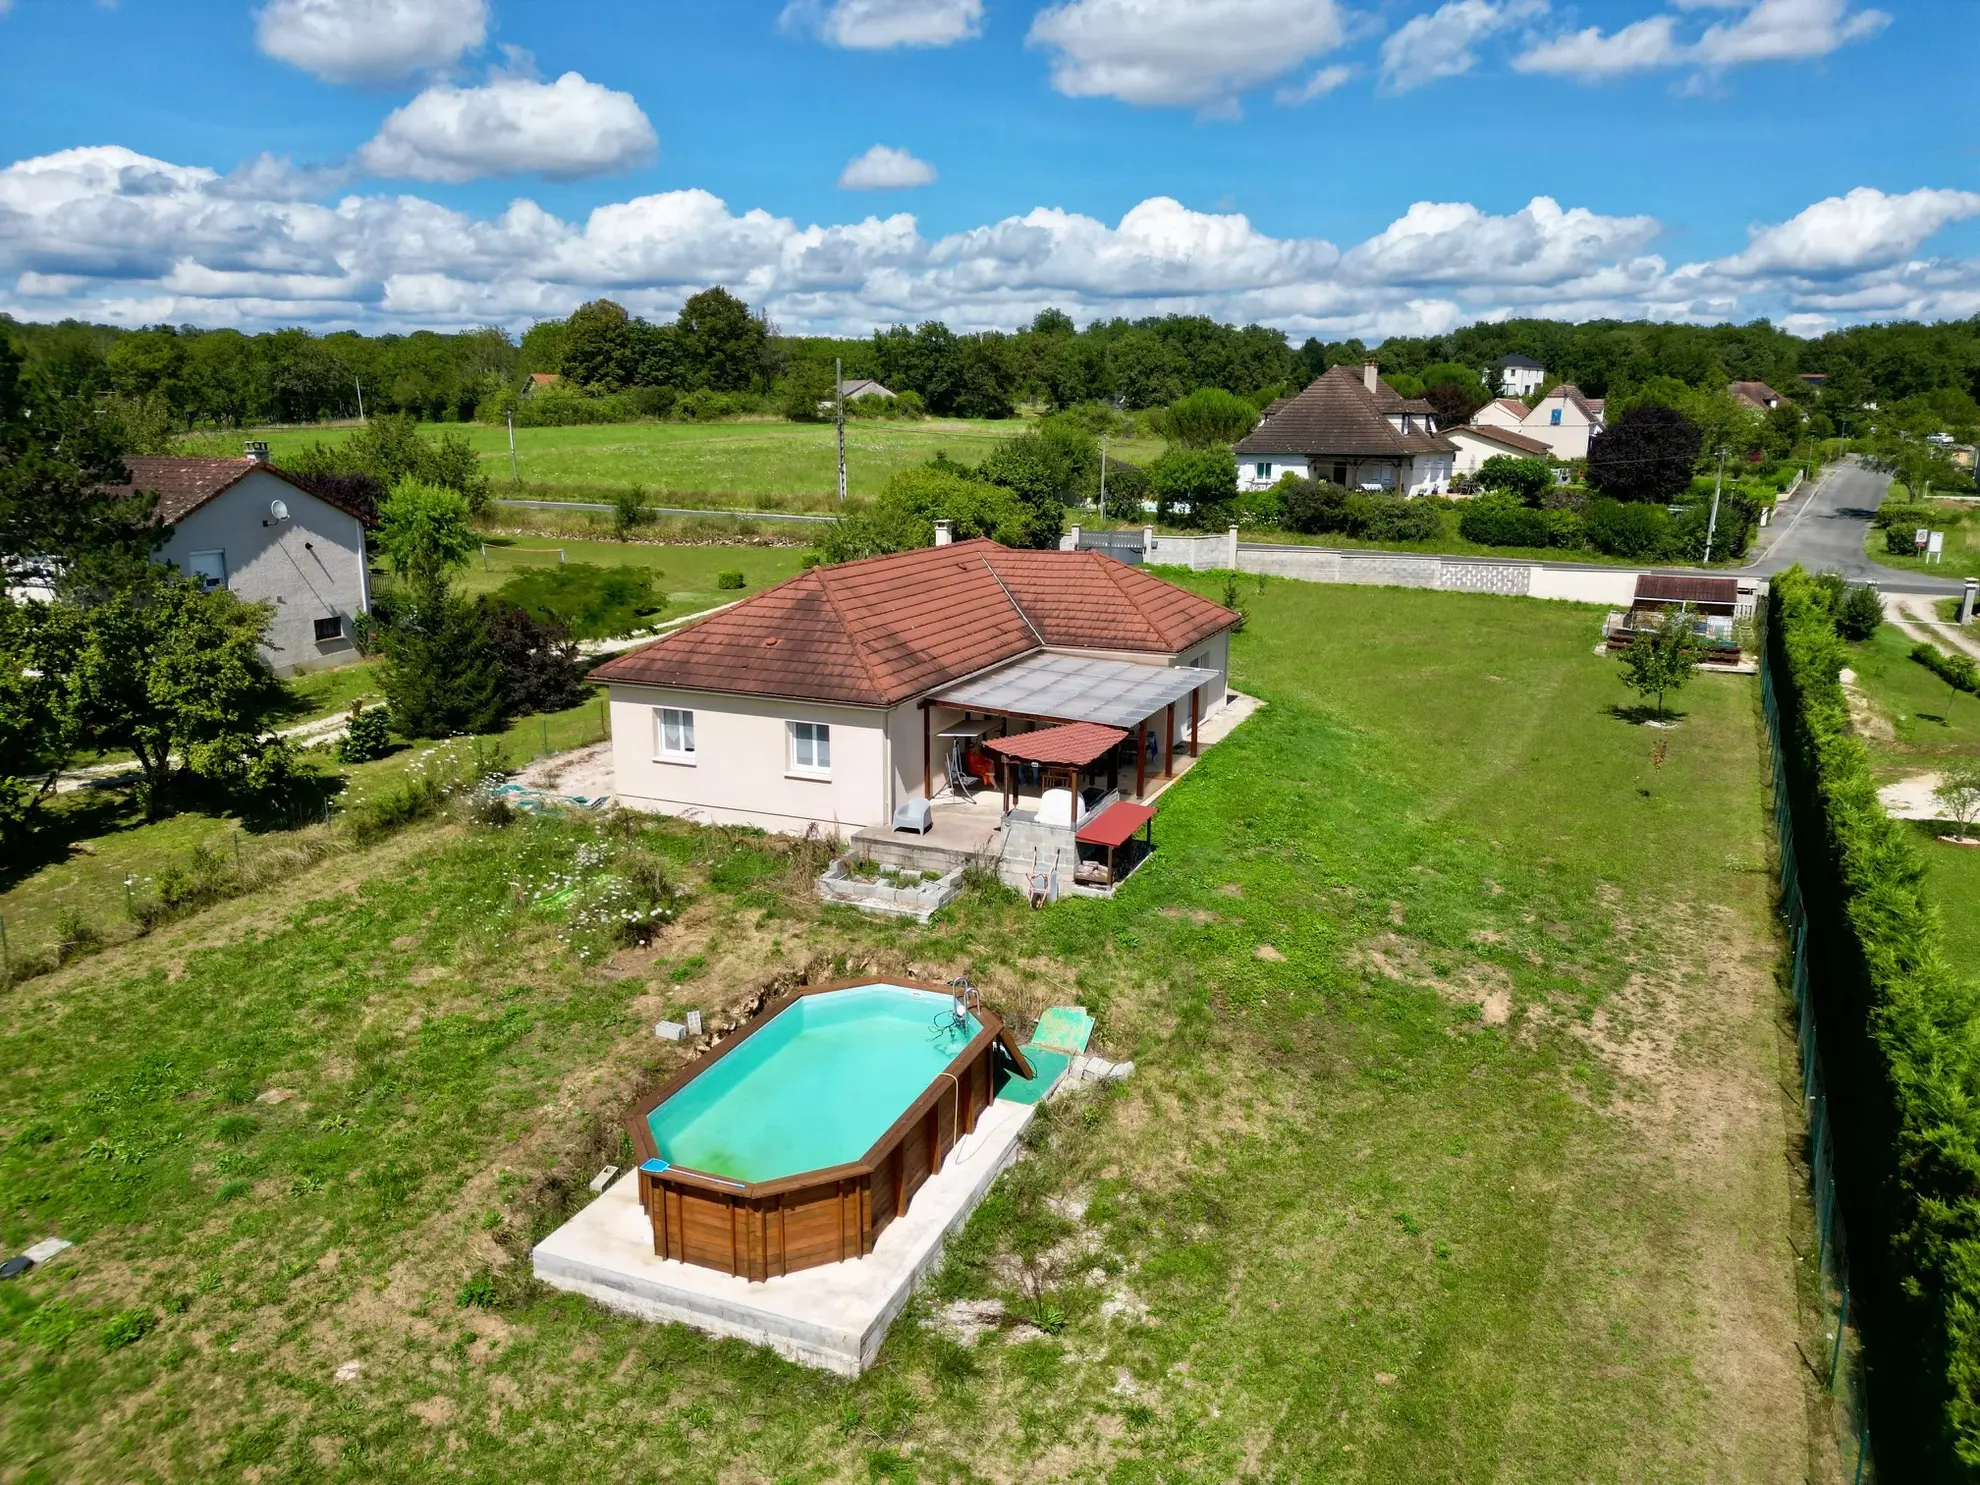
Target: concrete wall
[(741, 774), (308, 567), (1615, 587)]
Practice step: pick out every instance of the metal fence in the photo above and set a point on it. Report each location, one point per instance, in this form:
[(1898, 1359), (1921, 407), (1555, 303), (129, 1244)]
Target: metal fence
[(1842, 1369)]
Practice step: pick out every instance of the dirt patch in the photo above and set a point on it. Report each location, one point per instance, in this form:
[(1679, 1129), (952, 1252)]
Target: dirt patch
[(1870, 723), (1269, 954), (1478, 983), (583, 773)]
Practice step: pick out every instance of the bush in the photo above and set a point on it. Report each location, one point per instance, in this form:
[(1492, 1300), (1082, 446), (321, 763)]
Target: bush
[(1900, 1034), (1501, 521), (128, 1327), (1632, 530), (367, 735), (1526, 480), (1394, 518), (1128, 493), (1956, 671), (1861, 614), (1901, 541), (441, 674), (538, 668), (1211, 418), (729, 580), (1257, 510), (1313, 507)]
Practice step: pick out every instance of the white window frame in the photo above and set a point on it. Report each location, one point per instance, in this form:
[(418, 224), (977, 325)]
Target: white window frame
[(661, 752), (1264, 470), (207, 581), (820, 732)]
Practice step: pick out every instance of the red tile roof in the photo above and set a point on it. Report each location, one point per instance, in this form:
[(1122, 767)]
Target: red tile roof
[(1654, 587), (185, 484), (1076, 742), (1119, 821), (877, 632)]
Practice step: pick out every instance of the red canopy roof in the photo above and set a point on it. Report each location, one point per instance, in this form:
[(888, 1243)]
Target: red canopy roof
[(1116, 823), (1076, 744)]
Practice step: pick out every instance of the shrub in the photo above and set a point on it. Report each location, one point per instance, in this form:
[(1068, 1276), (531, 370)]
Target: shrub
[(1900, 1033), (1255, 510), (729, 580), (1631, 530), (1525, 480), (1394, 518), (1313, 506), (537, 665), (1204, 481), (1128, 493), (1956, 671), (1861, 614), (478, 1293), (1500, 521), (367, 735), (1901, 541), (1210, 418)]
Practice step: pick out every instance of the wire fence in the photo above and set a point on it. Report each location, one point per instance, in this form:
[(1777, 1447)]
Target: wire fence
[(1842, 1369)]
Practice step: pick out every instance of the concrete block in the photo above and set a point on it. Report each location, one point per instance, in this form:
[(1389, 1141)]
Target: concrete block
[(694, 1023), (670, 1031), (1120, 1070), (604, 1178)]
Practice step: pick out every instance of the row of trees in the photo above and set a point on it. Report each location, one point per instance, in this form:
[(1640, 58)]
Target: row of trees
[(718, 344)]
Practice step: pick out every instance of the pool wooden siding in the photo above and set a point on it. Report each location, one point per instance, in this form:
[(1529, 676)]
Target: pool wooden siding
[(765, 1228)]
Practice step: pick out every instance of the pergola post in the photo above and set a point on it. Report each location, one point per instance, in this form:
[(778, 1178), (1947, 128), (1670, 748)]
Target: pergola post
[(1141, 759), (1169, 744), (927, 751), (1192, 723)]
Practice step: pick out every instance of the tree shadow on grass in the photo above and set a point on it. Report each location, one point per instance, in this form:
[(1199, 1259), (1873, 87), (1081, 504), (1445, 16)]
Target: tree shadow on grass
[(87, 814), (1644, 713)]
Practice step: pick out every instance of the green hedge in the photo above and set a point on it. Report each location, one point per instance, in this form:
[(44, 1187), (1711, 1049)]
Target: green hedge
[(1902, 1042), (1956, 671)]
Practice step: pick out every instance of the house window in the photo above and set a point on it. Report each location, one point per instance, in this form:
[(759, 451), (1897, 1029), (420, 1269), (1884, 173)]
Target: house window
[(209, 569), (1264, 471), (330, 628), (811, 749), (1555, 418), (674, 728)]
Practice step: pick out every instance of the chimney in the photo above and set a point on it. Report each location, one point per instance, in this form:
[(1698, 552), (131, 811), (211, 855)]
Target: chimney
[(945, 532), (1370, 373), (257, 450)]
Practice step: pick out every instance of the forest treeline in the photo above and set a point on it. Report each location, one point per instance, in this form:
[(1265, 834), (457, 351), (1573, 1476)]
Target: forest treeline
[(719, 356)]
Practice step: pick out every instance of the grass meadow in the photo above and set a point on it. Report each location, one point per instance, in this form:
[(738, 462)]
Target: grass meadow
[(1460, 1145), (766, 464)]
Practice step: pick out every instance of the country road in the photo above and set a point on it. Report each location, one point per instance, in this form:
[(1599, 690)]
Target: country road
[(1824, 530)]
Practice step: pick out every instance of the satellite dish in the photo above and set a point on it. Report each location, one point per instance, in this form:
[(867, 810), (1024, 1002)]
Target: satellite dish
[(278, 509)]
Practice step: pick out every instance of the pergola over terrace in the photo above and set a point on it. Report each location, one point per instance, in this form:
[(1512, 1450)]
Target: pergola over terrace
[(1056, 689)]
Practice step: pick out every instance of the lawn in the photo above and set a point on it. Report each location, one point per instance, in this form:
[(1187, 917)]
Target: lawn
[(1960, 520), (1454, 1150), (685, 574), (766, 465)]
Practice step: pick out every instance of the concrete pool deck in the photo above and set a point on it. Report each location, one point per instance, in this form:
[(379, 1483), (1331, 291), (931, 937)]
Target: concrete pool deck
[(833, 1317)]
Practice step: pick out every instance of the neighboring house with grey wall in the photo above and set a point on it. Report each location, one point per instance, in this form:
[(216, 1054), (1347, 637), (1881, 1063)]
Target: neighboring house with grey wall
[(244, 525)]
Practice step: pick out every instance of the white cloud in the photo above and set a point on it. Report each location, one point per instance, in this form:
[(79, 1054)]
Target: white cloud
[(370, 41), (1323, 82), (875, 25), (1765, 31), (1786, 31), (1194, 53), (512, 126), (884, 168), (1847, 234), (1591, 55), (107, 234), (1428, 47)]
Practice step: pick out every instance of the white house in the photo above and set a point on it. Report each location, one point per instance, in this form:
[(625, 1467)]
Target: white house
[(1563, 420), (1520, 376), (824, 701), (1476, 443), (244, 525), (1352, 429)]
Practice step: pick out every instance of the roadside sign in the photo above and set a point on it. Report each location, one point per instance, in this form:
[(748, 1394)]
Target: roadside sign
[(1938, 546), (1921, 538)]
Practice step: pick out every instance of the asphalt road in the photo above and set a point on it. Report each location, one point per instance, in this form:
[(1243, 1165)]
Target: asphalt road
[(1824, 530)]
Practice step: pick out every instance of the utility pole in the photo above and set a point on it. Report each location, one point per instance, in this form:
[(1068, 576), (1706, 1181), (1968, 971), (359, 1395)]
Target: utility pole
[(360, 387), (515, 472), (1103, 473), (839, 416), (1712, 526)]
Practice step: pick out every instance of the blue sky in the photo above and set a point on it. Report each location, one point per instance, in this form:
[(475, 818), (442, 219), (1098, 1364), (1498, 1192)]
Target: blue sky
[(1332, 169)]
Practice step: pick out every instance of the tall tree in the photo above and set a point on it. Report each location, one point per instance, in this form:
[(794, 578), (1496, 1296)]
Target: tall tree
[(1646, 454), (721, 343), (599, 349)]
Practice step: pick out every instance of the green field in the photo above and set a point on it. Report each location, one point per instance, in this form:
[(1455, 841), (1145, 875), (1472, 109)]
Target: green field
[(685, 574), (1455, 1149), (1960, 520), (764, 465)]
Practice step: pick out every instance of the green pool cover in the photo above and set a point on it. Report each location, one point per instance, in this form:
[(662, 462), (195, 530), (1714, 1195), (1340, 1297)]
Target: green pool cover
[(1047, 1067), (1064, 1028)]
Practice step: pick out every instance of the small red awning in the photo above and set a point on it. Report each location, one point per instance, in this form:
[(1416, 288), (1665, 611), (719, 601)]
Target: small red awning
[(1116, 823), (1076, 744)]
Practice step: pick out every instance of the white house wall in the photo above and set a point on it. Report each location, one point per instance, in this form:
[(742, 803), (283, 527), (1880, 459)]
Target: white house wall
[(1427, 475), (308, 567), (741, 774)]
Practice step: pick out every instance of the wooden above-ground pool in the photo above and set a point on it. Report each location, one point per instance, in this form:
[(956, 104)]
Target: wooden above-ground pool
[(802, 1136)]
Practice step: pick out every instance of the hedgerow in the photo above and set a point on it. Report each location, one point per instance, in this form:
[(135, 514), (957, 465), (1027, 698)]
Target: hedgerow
[(1956, 671), (1909, 1032)]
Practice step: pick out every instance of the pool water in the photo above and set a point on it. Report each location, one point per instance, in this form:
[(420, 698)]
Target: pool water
[(814, 1088)]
